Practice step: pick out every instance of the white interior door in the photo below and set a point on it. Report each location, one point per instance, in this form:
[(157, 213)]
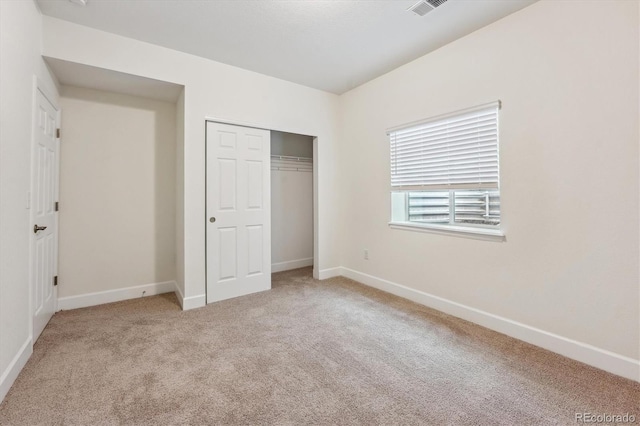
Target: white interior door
[(44, 221), (238, 211)]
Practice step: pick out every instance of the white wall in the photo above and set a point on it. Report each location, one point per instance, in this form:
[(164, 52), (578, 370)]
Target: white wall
[(567, 74), (20, 61), (117, 192), (291, 219), (220, 91)]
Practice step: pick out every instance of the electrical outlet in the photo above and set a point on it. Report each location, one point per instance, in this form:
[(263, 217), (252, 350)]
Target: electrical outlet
[(366, 254)]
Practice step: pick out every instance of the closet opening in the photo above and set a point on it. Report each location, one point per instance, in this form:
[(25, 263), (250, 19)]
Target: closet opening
[(292, 209)]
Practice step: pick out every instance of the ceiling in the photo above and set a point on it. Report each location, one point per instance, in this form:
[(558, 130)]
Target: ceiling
[(79, 75), (331, 45)]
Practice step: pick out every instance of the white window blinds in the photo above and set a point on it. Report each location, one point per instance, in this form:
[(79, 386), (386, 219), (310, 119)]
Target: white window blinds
[(459, 150)]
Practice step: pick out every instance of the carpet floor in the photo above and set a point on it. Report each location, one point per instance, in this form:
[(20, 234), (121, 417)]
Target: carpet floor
[(306, 352)]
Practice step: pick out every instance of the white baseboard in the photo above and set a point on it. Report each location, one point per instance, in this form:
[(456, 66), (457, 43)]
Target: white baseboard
[(14, 368), (179, 296), (192, 302), (324, 274), (109, 296), (291, 264), (588, 354)]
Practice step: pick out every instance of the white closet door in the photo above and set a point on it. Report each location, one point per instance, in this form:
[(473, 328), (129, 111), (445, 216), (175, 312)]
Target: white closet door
[(238, 211)]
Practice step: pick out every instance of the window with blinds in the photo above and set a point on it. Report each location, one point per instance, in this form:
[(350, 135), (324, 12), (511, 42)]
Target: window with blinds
[(445, 170)]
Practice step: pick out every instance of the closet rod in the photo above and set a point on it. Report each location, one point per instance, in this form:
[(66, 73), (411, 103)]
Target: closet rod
[(291, 169), (286, 157)]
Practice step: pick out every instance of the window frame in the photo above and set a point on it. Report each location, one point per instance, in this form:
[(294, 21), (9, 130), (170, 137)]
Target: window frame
[(475, 231)]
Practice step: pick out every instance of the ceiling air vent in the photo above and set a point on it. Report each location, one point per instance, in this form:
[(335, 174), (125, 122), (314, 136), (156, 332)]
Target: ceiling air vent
[(425, 6)]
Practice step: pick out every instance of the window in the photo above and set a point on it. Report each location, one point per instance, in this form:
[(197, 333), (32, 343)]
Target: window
[(445, 173)]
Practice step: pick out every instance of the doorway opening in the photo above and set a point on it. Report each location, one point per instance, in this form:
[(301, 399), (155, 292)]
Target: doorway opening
[(292, 239)]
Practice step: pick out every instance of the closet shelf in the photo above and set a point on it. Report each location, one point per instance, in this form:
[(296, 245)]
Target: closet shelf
[(288, 158), (294, 164)]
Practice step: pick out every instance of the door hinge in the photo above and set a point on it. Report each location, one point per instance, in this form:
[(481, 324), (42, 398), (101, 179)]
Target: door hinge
[(57, 206), (58, 133), (55, 280)]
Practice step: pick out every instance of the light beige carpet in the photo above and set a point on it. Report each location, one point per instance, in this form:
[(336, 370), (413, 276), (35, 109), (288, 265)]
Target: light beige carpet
[(306, 352)]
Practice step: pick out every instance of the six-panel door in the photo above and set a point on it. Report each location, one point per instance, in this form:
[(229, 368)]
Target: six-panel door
[(238, 211), (44, 193)]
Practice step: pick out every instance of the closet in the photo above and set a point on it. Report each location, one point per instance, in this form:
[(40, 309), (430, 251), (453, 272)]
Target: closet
[(291, 201)]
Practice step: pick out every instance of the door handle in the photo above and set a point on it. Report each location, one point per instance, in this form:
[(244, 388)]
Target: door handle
[(212, 219), (37, 228)]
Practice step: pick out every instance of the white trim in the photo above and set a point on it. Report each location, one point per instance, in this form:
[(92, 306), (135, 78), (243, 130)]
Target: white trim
[(255, 125), (291, 264), (179, 295), (42, 87), (324, 274), (237, 123), (109, 296), (15, 367), (456, 231), (192, 302), (316, 210), (588, 354)]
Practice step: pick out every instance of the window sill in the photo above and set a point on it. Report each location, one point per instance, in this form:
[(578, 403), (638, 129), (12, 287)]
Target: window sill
[(456, 231)]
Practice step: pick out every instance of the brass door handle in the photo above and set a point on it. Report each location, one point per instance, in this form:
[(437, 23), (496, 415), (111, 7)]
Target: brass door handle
[(37, 228)]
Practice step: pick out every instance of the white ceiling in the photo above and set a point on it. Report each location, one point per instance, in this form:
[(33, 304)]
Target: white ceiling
[(332, 45), (73, 74)]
